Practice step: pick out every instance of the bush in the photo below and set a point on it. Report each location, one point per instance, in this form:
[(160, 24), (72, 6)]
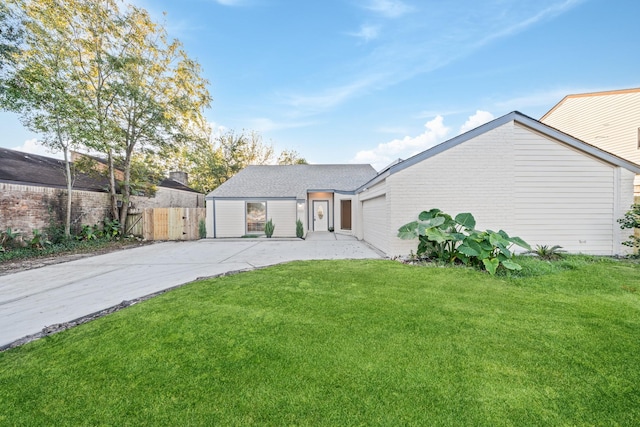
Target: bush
[(631, 220), (268, 228), (202, 229), (10, 239), (299, 229), (548, 253), (452, 240)]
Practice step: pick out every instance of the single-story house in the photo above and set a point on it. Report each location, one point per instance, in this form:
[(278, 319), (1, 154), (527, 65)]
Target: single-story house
[(609, 120), (513, 173)]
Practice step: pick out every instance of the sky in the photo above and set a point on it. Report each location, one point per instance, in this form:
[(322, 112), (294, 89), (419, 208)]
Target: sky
[(371, 81)]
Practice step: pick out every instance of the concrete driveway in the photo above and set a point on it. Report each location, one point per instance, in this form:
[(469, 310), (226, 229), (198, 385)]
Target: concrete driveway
[(35, 299)]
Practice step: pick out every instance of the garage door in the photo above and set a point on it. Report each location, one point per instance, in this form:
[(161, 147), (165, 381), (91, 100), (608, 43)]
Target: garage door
[(375, 222)]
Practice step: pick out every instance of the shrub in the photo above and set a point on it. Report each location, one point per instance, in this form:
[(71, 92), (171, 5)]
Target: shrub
[(299, 229), (452, 240), (111, 228), (202, 229), (39, 240), (10, 239), (268, 228), (631, 220), (547, 252)]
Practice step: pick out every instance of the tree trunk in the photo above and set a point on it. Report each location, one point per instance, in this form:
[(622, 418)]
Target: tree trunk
[(125, 191), (67, 172), (112, 186)]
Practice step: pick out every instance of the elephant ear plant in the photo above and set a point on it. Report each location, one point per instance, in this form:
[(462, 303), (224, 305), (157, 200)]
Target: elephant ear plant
[(452, 240)]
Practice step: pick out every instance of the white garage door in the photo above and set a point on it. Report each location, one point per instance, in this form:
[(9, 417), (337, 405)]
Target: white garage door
[(375, 222)]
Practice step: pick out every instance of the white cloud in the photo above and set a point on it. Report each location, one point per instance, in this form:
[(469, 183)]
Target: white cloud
[(32, 146), (385, 153), (478, 119), (367, 33), (388, 8)]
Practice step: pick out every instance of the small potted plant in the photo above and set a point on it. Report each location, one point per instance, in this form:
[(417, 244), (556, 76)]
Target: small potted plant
[(330, 229), (268, 228)]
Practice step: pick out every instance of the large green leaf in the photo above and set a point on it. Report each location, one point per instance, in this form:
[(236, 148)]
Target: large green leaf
[(497, 239), (425, 215), (466, 220), (518, 241), (437, 235), (468, 250), (408, 231), (491, 264), (511, 265)]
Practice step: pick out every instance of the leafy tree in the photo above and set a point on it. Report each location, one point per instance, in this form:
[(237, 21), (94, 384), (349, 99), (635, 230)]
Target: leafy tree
[(11, 33), (35, 87), (291, 157), (120, 86)]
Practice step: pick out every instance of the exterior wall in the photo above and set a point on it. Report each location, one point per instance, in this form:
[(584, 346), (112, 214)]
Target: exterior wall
[(229, 220), (319, 196), (283, 214), (209, 219), (515, 179), (169, 198), (25, 207), (474, 177), (375, 222), (610, 121), (564, 197), (373, 192)]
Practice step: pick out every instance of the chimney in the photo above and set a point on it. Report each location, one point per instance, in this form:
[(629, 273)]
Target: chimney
[(179, 176)]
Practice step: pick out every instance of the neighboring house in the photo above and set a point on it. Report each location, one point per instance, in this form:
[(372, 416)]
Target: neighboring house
[(33, 193), (513, 173), (321, 196), (609, 120)]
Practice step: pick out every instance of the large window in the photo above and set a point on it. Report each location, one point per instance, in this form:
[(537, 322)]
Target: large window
[(256, 216)]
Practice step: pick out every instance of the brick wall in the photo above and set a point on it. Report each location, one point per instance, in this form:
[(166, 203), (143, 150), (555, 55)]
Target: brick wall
[(169, 198), (25, 207)]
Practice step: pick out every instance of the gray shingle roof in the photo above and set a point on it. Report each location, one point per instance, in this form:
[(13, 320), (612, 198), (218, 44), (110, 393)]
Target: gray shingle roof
[(293, 180)]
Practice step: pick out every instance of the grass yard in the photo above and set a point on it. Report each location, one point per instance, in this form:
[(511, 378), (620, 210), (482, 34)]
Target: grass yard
[(349, 343)]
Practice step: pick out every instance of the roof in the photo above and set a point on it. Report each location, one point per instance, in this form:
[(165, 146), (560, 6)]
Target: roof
[(293, 181), (590, 94), (517, 117), (31, 169)]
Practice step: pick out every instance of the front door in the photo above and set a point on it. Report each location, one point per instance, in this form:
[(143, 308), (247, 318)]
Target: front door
[(320, 215)]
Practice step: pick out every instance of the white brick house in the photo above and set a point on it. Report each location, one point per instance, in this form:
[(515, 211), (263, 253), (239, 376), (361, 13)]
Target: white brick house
[(513, 173)]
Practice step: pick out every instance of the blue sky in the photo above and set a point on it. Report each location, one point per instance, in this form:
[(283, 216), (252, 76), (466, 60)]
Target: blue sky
[(370, 81)]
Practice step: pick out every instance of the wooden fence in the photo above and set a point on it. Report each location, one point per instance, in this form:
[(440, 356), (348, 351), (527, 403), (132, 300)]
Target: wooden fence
[(165, 223)]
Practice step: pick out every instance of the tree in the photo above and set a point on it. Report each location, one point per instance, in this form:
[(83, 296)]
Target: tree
[(122, 86), (35, 87), (291, 157)]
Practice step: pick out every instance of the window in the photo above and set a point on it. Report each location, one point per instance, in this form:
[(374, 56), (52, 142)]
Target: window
[(256, 216)]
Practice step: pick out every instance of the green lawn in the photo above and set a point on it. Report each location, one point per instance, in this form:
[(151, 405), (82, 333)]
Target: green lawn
[(349, 343)]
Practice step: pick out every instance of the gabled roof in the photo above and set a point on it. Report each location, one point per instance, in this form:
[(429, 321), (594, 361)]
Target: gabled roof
[(517, 117), (590, 94), (17, 167), (293, 181)]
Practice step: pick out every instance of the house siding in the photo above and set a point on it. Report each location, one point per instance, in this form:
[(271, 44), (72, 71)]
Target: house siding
[(564, 197), (516, 179), (376, 224), (283, 215), (609, 121), (229, 218), (470, 177)]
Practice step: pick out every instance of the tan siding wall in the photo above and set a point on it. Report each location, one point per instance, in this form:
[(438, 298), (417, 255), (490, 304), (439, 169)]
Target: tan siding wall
[(209, 218), (230, 218), (283, 215), (470, 177), (608, 121)]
